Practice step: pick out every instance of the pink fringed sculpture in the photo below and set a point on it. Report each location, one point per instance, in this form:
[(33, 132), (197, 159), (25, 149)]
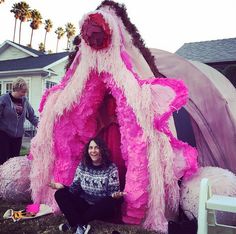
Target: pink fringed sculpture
[(14, 179), (113, 90)]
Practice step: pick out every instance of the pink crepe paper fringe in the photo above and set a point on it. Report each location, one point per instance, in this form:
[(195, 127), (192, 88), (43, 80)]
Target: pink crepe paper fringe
[(33, 208), (75, 122), (190, 154), (62, 84), (161, 122), (75, 128), (133, 148)]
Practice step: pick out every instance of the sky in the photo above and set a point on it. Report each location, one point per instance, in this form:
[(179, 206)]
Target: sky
[(163, 24)]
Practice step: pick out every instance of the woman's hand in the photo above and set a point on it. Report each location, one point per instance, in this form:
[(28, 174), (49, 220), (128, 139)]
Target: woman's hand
[(117, 195), (55, 185)]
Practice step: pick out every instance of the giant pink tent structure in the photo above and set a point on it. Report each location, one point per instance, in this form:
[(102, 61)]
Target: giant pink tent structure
[(113, 89)]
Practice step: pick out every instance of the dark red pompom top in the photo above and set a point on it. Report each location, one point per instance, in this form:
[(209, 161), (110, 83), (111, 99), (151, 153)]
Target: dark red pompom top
[(96, 32)]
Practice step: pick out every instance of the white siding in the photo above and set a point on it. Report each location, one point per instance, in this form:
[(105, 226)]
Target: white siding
[(60, 71), (12, 53), (35, 92)]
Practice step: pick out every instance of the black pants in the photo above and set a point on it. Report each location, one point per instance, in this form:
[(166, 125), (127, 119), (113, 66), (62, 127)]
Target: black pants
[(9, 146), (78, 212)]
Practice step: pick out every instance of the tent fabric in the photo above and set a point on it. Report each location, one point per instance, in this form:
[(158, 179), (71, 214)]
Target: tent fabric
[(211, 105), (153, 157), (223, 96)]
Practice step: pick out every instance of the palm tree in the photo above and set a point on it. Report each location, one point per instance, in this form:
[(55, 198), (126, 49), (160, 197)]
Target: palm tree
[(60, 33), (41, 47), (48, 27), (70, 32), (24, 15), (36, 21), (16, 10)]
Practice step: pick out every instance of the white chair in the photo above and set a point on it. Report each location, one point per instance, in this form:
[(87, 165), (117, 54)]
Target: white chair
[(208, 204)]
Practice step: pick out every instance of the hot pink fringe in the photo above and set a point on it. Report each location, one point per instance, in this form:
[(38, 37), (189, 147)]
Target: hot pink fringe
[(71, 129), (161, 122), (33, 208), (62, 84), (134, 149), (179, 148), (75, 128)]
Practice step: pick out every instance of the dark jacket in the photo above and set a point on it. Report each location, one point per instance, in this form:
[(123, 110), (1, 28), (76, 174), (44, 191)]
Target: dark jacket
[(12, 124)]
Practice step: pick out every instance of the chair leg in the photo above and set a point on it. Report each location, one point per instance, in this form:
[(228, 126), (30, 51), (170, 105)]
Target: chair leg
[(202, 212)]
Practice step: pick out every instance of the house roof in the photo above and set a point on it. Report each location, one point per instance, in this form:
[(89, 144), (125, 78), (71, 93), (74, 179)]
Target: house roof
[(223, 50), (29, 63), (28, 50)]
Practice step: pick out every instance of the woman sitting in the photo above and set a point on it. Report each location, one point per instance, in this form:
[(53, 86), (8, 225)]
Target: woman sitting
[(95, 191)]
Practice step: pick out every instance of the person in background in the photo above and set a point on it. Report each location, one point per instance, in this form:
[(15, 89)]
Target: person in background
[(95, 191), (14, 109)]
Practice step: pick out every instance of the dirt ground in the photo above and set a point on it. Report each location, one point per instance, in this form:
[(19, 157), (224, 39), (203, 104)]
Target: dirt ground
[(49, 224)]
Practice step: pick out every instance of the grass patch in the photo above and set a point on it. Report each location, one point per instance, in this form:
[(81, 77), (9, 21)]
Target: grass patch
[(24, 151)]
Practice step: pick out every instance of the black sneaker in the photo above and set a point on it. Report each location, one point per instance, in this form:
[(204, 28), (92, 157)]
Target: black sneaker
[(64, 227)]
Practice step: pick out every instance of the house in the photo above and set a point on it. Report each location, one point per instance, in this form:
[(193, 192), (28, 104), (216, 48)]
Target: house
[(40, 70), (219, 54)]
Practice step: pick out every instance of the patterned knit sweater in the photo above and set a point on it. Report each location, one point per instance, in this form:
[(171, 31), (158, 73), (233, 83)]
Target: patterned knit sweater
[(95, 182)]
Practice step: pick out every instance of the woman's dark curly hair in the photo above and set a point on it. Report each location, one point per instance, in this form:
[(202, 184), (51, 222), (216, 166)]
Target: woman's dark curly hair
[(87, 161)]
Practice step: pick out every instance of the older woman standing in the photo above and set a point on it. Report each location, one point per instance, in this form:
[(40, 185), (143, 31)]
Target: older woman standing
[(14, 109)]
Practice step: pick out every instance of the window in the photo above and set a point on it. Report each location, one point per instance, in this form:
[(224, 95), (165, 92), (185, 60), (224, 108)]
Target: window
[(50, 84), (8, 86)]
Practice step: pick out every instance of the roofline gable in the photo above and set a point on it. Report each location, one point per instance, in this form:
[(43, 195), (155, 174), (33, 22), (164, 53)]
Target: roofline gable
[(45, 62), (18, 47)]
